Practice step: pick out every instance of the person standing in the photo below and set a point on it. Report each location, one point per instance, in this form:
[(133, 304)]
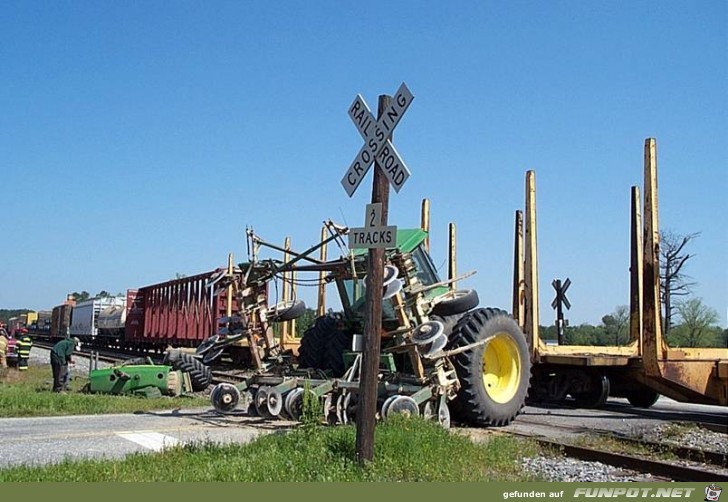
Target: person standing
[(22, 347), (61, 357), (3, 348)]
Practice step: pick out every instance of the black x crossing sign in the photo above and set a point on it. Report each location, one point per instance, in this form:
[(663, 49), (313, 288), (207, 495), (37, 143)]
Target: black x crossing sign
[(561, 293)]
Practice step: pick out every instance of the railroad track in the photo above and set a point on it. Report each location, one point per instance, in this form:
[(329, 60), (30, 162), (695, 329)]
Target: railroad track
[(685, 464), (712, 457), (668, 470), (715, 422)]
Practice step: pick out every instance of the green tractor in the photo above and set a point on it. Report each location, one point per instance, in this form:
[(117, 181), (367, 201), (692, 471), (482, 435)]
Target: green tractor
[(439, 351), (476, 357), (140, 377)]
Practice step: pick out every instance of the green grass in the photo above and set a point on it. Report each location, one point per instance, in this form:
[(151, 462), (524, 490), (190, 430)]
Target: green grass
[(405, 450), (28, 394)]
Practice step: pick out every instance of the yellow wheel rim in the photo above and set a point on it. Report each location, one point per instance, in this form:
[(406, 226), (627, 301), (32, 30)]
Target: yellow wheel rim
[(501, 368)]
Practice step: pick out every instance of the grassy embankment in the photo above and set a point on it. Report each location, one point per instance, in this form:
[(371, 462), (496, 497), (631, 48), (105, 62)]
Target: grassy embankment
[(28, 394)]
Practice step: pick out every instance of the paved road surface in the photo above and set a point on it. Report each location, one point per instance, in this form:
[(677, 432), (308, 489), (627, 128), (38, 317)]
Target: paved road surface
[(51, 439)]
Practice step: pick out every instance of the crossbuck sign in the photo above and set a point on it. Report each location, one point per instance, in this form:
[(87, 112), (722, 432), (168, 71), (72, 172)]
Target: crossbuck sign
[(377, 143)]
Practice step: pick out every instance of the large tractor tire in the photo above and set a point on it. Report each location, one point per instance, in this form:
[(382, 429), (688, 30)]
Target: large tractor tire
[(494, 376), (313, 343), (323, 346), (200, 375)]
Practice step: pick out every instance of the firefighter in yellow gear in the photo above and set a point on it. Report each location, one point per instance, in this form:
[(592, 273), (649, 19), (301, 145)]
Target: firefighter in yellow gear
[(3, 348), (22, 347)]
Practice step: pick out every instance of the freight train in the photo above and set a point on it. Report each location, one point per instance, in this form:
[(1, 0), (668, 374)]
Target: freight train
[(181, 313)]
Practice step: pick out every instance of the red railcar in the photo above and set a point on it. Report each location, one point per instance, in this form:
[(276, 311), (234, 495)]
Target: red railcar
[(181, 312)]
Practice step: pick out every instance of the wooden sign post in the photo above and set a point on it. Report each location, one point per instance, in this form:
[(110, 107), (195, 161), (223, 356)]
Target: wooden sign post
[(376, 236)]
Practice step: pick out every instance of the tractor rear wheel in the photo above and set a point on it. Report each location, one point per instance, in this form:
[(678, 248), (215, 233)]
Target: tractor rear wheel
[(200, 375), (323, 346), (494, 376)]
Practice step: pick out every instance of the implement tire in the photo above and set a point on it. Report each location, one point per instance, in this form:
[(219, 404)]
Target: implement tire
[(494, 377), (287, 311), (461, 301), (200, 375)]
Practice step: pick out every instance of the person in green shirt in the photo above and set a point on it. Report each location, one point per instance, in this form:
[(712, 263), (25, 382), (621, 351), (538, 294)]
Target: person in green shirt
[(61, 356)]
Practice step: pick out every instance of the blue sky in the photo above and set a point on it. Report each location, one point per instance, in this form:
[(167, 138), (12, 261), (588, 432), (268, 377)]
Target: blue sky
[(138, 139)]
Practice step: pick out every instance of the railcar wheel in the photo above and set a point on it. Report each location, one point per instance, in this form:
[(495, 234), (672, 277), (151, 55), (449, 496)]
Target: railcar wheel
[(642, 398), (596, 396)]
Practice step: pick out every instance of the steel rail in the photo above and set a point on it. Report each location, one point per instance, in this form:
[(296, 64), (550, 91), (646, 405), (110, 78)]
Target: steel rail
[(673, 471), (719, 459)]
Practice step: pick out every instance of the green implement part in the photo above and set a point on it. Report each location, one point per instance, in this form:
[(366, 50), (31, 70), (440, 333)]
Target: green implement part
[(137, 379)]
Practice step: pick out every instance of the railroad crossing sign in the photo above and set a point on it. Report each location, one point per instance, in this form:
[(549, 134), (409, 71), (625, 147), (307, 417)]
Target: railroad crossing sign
[(373, 235), (559, 302), (377, 144), (561, 293)]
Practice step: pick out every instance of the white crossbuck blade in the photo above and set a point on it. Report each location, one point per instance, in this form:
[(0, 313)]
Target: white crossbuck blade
[(377, 145)]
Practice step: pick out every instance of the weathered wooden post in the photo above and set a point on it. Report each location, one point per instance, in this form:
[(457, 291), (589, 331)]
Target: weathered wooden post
[(375, 236)]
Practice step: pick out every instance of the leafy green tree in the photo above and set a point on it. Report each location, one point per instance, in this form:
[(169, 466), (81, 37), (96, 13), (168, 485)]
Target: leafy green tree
[(616, 326), (698, 327), (584, 334), (305, 321), (548, 332), (82, 296)]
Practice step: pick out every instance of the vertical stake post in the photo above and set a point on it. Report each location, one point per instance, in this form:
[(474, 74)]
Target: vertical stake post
[(321, 305), (425, 222), (452, 262), (518, 272)]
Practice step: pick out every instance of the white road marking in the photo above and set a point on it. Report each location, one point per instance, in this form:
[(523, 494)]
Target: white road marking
[(151, 440)]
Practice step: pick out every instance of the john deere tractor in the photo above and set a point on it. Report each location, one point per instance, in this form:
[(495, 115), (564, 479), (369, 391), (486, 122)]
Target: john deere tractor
[(439, 350)]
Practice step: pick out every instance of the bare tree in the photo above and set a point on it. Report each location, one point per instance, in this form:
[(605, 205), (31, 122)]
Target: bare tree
[(673, 281), (697, 320)]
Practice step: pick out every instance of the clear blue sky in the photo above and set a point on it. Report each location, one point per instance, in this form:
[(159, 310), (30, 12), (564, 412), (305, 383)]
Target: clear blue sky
[(138, 139)]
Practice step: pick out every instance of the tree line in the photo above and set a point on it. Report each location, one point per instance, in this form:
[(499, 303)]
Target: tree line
[(694, 326)]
